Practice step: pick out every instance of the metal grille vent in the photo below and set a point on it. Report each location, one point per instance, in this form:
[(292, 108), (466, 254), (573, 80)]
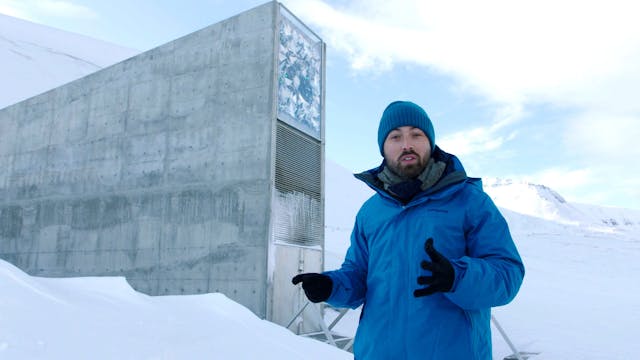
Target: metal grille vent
[(297, 211)]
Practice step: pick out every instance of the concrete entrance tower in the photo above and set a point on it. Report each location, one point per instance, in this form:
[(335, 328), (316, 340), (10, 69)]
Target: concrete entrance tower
[(194, 167)]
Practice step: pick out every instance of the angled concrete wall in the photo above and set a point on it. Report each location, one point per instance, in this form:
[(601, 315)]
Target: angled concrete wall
[(159, 168)]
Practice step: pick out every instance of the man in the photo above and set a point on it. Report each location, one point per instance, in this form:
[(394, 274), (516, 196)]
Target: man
[(430, 253)]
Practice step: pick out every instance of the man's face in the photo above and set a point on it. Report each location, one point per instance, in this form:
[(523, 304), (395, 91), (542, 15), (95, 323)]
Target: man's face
[(407, 150)]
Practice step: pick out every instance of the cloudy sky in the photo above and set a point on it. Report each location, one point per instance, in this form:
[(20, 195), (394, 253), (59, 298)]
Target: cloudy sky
[(543, 91)]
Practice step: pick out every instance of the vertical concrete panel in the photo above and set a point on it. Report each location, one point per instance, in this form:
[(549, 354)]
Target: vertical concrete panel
[(70, 114), (148, 106), (7, 143), (108, 107), (34, 132)]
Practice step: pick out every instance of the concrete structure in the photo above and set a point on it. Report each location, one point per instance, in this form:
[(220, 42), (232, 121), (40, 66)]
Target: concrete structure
[(194, 167)]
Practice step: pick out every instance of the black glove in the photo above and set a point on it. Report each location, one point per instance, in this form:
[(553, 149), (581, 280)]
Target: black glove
[(317, 287), (442, 273)]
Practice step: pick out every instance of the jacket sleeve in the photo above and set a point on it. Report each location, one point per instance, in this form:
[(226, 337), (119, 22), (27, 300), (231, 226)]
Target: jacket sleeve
[(492, 271), (350, 281)]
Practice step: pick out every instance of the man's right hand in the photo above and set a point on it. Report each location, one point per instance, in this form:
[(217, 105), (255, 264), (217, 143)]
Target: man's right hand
[(317, 287)]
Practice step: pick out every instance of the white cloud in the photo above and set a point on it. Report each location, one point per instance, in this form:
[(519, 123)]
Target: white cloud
[(608, 142), (579, 56), (35, 10), (65, 9), (547, 50), (485, 138), (15, 9), (605, 137), (473, 141), (373, 34)]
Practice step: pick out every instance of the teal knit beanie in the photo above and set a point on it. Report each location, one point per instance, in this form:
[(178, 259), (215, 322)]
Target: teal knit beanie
[(404, 113)]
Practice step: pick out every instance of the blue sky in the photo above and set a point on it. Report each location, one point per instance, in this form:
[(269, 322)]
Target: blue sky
[(542, 91)]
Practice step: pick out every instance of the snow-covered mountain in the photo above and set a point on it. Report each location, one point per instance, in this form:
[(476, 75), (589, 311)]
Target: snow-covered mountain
[(579, 300), (542, 202), (35, 58)]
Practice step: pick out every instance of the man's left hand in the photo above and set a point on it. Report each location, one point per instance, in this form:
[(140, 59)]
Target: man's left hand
[(442, 273)]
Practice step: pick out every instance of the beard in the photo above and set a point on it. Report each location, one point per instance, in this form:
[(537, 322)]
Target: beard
[(409, 171)]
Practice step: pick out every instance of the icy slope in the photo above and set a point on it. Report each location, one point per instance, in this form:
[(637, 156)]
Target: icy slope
[(36, 58)]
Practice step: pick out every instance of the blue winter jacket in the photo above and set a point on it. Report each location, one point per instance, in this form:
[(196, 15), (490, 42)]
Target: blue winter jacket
[(382, 265)]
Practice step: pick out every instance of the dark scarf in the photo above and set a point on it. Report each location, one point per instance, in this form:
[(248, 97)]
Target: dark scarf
[(405, 188)]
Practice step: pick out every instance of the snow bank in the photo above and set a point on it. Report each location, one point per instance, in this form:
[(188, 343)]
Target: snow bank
[(104, 318)]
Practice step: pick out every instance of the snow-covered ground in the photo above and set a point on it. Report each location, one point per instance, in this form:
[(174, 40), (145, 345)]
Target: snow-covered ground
[(580, 298), (104, 318)]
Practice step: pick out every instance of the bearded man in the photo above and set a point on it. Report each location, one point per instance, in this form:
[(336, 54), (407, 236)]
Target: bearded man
[(430, 252)]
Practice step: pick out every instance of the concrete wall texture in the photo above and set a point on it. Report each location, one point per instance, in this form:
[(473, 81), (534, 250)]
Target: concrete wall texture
[(159, 168)]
